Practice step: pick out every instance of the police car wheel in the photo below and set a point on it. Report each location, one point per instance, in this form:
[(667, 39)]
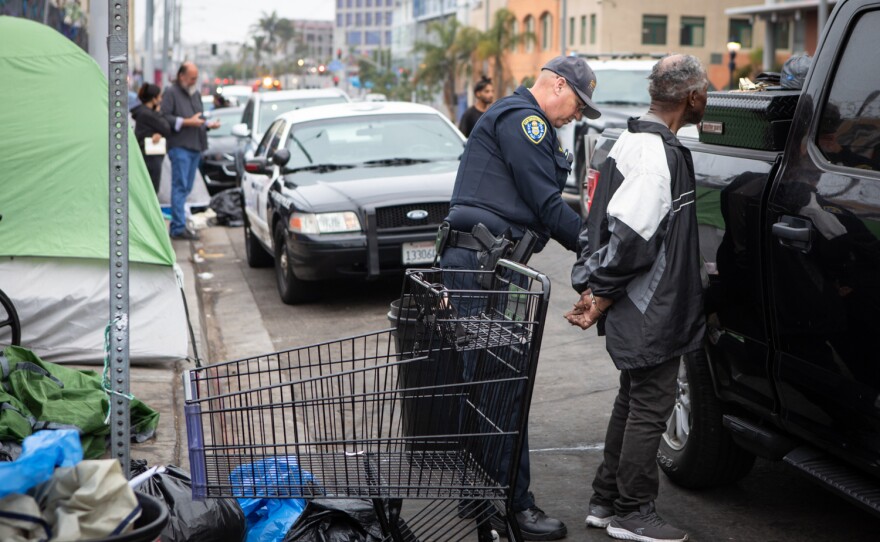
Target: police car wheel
[(256, 254), (696, 451), (291, 289)]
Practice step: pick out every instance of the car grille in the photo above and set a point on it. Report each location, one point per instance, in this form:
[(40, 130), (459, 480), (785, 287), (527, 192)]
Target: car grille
[(395, 217)]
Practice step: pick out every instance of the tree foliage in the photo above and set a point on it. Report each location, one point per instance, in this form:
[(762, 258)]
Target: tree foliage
[(446, 58)]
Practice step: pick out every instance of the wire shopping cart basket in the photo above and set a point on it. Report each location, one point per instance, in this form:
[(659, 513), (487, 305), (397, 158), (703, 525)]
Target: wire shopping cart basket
[(432, 410)]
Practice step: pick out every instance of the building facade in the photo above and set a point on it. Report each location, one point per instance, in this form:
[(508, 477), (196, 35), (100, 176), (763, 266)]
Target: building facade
[(362, 26), (313, 40)]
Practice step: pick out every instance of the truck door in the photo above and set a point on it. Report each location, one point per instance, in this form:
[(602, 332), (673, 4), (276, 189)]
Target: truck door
[(822, 229)]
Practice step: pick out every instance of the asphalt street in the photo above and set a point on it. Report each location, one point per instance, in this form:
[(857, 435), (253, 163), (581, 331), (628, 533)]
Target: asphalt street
[(242, 316)]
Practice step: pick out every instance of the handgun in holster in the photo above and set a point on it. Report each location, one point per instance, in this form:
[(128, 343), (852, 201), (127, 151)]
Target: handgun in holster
[(441, 241), (494, 248), (524, 248)]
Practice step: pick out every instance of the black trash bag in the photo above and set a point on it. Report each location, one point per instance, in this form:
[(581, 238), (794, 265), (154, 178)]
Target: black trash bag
[(794, 72), (191, 521), (227, 206), (340, 520)]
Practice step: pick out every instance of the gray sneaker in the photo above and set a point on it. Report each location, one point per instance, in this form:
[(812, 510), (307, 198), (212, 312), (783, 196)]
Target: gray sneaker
[(645, 525), (599, 516)]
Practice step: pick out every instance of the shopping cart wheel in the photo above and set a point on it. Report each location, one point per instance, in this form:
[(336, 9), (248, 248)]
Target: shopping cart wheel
[(9, 318), (495, 536)]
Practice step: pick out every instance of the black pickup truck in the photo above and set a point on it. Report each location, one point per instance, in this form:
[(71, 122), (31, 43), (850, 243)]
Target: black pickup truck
[(790, 240)]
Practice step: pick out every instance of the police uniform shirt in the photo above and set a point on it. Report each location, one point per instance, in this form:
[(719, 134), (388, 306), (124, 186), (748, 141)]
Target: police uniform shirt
[(512, 174)]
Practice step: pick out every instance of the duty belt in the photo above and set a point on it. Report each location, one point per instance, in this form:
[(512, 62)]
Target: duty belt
[(461, 239)]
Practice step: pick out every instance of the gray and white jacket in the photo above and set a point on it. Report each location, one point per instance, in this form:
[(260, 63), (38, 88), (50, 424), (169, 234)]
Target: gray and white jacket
[(640, 247)]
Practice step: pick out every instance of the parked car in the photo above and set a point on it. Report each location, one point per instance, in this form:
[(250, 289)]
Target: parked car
[(264, 107), (218, 160), (352, 190), (788, 207)]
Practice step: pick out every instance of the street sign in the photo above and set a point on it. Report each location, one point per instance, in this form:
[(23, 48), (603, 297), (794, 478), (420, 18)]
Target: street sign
[(335, 66), (355, 81)]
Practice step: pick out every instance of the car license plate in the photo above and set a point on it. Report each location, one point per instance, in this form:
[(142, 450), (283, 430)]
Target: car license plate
[(421, 252)]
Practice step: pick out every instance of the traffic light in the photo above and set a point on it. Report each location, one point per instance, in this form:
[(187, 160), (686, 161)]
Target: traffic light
[(214, 49), (336, 80), (338, 54)]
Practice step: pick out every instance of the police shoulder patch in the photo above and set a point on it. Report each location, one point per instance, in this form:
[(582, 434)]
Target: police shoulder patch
[(535, 128)]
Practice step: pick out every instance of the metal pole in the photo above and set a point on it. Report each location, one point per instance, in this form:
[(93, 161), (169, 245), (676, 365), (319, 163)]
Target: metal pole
[(149, 49), (117, 350), (562, 27), (166, 42)]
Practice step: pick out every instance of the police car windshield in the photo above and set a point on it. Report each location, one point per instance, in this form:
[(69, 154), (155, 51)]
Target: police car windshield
[(372, 140), (622, 87)]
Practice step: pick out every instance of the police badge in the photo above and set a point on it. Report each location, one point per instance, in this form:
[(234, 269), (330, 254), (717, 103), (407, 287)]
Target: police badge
[(534, 128)]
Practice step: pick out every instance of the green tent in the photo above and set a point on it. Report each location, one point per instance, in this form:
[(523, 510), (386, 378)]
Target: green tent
[(54, 206)]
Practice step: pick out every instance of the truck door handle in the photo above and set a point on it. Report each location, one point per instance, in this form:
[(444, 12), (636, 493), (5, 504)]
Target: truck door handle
[(793, 232), (784, 231)]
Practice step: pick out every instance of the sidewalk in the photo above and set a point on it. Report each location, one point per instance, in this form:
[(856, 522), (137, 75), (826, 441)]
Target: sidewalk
[(160, 386)]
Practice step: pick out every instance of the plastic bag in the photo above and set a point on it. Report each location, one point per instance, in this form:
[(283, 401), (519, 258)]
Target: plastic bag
[(794, 72), (191, 521), (337, 520), (40, 454), (268, 520), (227, 206)]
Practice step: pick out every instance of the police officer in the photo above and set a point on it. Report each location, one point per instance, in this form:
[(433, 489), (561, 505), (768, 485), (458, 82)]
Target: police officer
[(510, 180)]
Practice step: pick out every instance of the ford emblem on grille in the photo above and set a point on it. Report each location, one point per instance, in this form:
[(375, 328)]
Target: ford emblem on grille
[(417, 214)]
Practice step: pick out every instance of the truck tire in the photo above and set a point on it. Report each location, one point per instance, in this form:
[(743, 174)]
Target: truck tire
[(256, 255), (291, 289), (696, 451)]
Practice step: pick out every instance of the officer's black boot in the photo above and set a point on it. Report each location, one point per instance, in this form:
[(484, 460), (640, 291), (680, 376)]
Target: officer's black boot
[(534, 524)]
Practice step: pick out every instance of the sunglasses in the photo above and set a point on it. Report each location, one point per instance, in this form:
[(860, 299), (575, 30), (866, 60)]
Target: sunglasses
[(581, 105)]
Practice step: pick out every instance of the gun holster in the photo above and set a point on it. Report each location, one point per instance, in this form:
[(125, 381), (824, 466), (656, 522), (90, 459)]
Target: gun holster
[(494, 248), (441, 241)]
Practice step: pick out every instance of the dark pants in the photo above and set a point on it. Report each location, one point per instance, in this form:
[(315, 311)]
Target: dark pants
[(461, 258), (628, 476), (154, 168)]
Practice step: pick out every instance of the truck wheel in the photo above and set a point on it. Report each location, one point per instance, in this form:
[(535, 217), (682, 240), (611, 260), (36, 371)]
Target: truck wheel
[(256, 254), (291, 289), (696, 451)]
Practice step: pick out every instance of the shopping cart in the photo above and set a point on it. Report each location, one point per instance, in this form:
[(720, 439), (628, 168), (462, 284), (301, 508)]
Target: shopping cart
[(425, 411)]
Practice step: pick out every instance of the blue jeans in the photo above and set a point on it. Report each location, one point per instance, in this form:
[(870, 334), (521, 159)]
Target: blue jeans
[(184, 163), (462, 258)]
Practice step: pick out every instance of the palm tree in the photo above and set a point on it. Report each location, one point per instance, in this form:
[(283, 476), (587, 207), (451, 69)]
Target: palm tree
[(497, 41), (286, 33), (446, 57), (266, 28)]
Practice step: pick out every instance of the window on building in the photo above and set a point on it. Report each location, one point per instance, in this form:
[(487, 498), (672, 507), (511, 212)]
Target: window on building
[(359, 3), (353, 37), (783, 35), (387, 37), (368, 19), (338, 4), (653, 29), (693, 31), (571, 31), (592, 29), (514, 33), (848, 133), (740, 31), (339, 20), (369, 3), (388, 16), (348, 19), (583, 39), (348, 3), (530, 29), (358, 19), (373, 37), (546, 31)]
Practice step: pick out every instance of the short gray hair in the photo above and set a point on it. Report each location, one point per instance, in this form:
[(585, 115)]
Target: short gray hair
[(672, 81)]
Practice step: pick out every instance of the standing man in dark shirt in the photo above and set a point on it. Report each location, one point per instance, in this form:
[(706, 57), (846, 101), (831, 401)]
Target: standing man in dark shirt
[(484, 95), (182, 107), (510, 180)]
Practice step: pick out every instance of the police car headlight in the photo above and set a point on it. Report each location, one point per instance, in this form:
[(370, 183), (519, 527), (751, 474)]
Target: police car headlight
[(324, 222)]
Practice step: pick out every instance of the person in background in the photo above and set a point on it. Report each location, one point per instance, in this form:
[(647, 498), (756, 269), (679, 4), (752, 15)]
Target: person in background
[(639, 276), (182, 107), (150, 124), (484, 95)]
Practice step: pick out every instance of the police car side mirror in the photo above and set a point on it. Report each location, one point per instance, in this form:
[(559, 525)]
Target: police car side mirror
[(241, 130), (281, 157)]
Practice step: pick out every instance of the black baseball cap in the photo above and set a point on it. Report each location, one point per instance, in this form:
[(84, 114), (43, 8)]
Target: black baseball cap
[(580, 77)]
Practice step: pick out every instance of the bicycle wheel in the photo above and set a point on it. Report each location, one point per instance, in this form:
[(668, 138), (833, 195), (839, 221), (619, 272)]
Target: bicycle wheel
[(10, 318)]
